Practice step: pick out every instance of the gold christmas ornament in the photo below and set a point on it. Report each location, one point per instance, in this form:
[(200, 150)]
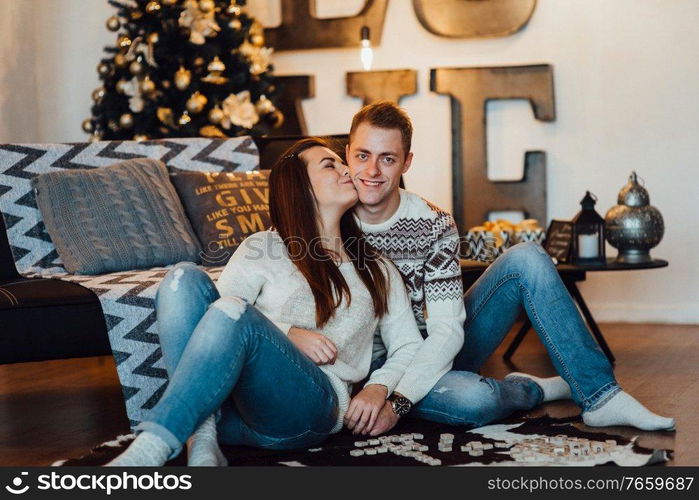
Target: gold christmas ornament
[(185, 118), (126, 120), (136, 67), (98, 94), (88, 126), (121, 86), (103, 69), (196, 103), (211, 131), (140, 137), (215, 67), (147, 85), (123, 41), (235, 24), (256, 28), (165, 84), (206, 5), (216, 115), (153, 38), (258, 40), (113, 23), (95, 137), (233, 9), (166, 117), (278, 118), (169, 3), (199, 61), (152, 7), (120, 60), (183, 77)]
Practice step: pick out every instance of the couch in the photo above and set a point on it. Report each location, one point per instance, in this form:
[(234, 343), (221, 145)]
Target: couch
[(47, 313)]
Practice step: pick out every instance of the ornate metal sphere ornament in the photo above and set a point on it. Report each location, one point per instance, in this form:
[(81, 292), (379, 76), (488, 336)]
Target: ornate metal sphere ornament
[(634, 226)]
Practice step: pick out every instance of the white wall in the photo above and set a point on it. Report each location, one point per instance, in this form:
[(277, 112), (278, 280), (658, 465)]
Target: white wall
[(625, 73), (18, 109), (70, 36), (49, 51), (626, 80)]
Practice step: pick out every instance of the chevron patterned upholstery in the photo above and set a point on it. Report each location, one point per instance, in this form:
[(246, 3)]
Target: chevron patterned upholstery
[(128, 303), (30, 243), (127, 298)]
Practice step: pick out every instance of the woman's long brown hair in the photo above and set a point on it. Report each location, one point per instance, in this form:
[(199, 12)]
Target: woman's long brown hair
[(294, 215)]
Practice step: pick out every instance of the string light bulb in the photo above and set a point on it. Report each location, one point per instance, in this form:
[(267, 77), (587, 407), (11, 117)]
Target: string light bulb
[(366, 53)]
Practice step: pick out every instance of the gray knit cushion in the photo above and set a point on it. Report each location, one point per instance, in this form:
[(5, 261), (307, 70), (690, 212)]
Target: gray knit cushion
[(125, 216)]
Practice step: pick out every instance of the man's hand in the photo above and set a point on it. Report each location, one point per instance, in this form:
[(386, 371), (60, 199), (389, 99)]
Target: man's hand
[(316, 346), (365, 407), (386, 420)]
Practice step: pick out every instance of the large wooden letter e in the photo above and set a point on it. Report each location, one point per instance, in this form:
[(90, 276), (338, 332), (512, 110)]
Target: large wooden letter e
[(474, 195)]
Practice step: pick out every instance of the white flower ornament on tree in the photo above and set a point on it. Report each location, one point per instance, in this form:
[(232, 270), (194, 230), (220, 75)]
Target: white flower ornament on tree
[(132, 89), (239, 110), (201, 24), (258, 57)]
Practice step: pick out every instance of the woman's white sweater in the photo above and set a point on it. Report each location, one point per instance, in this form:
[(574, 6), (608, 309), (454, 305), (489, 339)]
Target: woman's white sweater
[(261, 272)]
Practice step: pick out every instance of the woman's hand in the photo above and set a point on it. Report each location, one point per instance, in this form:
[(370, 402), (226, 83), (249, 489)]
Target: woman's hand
[(365, 407), (314, 345)]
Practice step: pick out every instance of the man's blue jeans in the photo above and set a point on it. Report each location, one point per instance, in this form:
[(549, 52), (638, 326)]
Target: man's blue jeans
[(222, 353), (524, 277)]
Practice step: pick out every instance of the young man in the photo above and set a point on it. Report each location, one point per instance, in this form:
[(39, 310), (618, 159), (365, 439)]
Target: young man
[(461, 332)]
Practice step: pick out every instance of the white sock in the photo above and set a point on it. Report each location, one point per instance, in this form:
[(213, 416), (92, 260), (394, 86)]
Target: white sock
[(553, 387), (624, 409), (202, 446), (147, 450)]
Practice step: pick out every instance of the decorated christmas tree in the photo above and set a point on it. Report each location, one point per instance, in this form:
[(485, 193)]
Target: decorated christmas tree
[(183, 68)]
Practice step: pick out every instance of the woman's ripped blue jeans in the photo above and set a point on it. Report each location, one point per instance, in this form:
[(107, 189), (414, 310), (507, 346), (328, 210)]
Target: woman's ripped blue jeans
[(224, 357)]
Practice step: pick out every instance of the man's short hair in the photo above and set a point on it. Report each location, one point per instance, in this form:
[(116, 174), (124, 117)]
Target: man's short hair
[(385, 114)]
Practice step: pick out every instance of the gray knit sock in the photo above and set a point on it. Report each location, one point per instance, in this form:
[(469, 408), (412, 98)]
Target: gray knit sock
[(147, 450), (202, 446), (553, 387), (624, 409)]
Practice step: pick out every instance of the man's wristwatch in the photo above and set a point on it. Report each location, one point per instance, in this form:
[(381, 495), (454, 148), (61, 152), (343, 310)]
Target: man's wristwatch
[(400, 404)]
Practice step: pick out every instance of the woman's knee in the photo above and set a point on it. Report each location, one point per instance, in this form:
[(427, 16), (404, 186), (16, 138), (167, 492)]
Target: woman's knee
[(226, 316), (186, 277), (232, 307)]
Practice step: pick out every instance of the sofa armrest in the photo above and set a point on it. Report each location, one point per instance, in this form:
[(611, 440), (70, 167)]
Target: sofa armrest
[(8, 270)]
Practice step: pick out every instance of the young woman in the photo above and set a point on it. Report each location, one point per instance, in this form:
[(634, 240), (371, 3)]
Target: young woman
[(266, 356)]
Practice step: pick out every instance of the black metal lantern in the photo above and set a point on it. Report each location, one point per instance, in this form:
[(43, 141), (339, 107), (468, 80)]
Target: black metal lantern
[(588, 234)]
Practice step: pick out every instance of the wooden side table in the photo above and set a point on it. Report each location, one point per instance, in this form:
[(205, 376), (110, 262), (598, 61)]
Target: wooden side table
[(471, 270)]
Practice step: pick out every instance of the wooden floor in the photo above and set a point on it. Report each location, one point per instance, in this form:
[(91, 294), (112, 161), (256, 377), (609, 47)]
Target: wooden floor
[(60, 409)]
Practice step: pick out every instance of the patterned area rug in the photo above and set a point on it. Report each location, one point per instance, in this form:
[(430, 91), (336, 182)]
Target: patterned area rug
[(519, 441)]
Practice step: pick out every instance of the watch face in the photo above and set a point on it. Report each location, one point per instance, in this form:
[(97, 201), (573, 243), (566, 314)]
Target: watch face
[(401, 406)]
